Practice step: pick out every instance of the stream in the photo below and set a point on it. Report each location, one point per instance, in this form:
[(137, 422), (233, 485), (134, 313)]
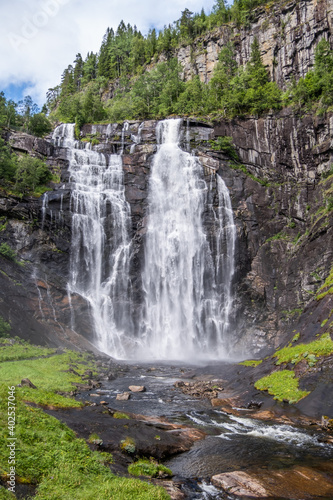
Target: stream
[(233, 443)]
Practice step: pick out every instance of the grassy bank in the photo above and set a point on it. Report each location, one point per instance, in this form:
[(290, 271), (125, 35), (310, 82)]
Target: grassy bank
[(47, 453)]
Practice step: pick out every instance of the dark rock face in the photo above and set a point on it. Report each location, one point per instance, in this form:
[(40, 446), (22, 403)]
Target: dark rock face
[(284, 244), (286, 235)]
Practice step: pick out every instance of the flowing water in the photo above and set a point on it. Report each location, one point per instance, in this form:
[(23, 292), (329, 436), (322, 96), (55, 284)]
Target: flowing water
[(187, 275), (100, 248), (188, 296), (232, 442)]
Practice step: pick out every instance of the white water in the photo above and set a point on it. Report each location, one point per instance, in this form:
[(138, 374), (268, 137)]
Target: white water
[(188, 295), (187, 292), (231, 425), (100, 248)]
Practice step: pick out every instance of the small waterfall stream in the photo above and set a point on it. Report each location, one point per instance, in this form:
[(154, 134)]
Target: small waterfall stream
[(187, 275)]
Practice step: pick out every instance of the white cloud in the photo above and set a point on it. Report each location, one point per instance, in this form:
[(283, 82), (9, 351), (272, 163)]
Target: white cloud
[(39, 38)]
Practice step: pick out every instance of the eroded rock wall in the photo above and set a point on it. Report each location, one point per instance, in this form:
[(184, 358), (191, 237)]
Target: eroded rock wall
[(288, 33), (279, 195), (285, 218)]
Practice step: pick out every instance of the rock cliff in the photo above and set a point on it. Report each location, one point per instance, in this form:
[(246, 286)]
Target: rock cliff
[(288, 33), (281, 195)]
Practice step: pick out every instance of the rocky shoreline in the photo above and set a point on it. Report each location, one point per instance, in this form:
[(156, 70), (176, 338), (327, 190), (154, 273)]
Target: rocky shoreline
[(161, 436)]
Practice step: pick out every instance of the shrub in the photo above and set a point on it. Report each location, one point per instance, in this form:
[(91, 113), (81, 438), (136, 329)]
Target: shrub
[(31, 173), (149, 468), (4, 327), (7, 252), (40, 125)]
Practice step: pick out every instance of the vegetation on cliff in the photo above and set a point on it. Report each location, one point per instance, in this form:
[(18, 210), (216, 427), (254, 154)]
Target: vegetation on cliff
[(145, 79), (24, 116), (233, 91), (22, 174)]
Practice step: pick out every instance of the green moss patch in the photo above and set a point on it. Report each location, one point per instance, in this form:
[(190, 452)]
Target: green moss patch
[(283, 385), (149, 468), (327, 287), (120, 415), (320, 347), (251, 362)]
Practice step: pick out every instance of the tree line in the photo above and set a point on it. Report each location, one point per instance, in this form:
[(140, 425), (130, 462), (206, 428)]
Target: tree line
[(24, 115), (22, 174)]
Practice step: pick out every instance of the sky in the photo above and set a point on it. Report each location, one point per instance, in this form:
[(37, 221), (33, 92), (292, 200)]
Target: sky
[(40, 38)]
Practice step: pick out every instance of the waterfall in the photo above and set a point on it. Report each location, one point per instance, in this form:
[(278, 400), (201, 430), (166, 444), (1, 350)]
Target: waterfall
[(187, 291), (188, 269), (100, 247)]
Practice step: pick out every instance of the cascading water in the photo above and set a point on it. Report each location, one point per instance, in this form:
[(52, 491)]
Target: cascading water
[(100, 248), (187, 293), (187, 276)]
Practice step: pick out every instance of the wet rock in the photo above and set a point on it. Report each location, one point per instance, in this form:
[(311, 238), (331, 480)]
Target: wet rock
[(297, 483), (82, 387), (25, 382), (123, 397), (240, 484), (200, 389), (254, 405), (137, 388), (172, 488)]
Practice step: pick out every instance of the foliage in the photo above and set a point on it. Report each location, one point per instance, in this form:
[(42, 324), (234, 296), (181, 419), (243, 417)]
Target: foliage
[(295, 354), (327, 287), (242, 91), (283, 385), (240, 166), (8, 111), (279, 236), (120, 415), (17, 349), (8, 162), (161, 92), (128, 445), (251, 362), (225, 145), (61, 465), (7, 252), (31, 173), (39, 125), (316, 88), (145, 467), (4, 326)]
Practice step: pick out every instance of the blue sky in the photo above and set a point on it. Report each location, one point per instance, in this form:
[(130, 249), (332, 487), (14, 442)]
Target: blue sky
[(39, 38)]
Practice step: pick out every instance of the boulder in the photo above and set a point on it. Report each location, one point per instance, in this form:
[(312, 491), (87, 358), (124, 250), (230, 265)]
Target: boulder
[(123, 397), (27, 383), (137, 388)]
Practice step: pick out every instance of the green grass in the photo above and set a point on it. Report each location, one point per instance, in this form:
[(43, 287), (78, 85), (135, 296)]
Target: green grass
[(20, 349), (49, 374), (240, 166), (145, 467), (327, 287), (49, 455), (295, 354), (120, 415), (251, 362), (283, 385), (279, 236)]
